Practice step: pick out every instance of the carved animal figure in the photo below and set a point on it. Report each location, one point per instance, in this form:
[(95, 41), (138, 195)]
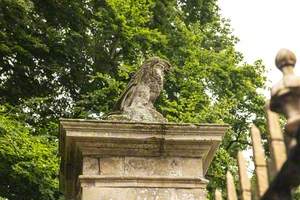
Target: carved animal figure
[(136, 102)]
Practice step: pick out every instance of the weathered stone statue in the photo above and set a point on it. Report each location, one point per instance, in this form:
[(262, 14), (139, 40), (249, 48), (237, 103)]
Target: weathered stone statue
[(136, 102)]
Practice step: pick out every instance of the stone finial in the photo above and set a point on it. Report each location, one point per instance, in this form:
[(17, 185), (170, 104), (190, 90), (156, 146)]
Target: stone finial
[(231, 191), (218, 194), (285, 95), (285, 58), (244, 180), (259, 161)]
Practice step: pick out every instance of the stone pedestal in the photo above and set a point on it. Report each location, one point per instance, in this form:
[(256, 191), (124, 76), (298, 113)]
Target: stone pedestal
[(109, 160)]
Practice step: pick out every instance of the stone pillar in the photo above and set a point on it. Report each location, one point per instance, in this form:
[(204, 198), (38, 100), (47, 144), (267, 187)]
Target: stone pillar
[(244, 180), (231, 191), (110, 160), (260, 162)]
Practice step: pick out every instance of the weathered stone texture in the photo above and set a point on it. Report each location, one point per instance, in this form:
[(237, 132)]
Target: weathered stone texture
[(142, 194), (137, 101), (112, 166), (105, 160), (138, 166), (90, 166)]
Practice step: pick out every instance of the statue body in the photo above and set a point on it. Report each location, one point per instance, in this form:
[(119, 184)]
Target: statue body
[(136, 102)]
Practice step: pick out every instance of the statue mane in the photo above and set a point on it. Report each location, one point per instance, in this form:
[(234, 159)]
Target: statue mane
[(136, 102)]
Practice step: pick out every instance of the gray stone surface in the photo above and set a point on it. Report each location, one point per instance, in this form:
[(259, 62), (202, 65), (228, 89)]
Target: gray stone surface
[(142, 194), (90, 166), (136, 160), (143, 166), (136, 102), (112, 166)]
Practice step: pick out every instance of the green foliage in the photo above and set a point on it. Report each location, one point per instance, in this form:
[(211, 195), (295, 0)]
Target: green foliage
[(296, 194), (223, 162), (103, 86), (72, 58), (29, 165)]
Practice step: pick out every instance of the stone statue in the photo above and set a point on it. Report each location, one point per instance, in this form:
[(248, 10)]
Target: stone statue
[(136, 102)]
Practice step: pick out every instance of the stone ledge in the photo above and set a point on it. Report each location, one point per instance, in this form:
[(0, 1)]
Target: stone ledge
[(95, 193), (142, 182), (140, 129)]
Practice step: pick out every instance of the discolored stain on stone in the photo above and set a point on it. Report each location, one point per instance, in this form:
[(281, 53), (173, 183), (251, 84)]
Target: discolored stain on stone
[(112, 166), (90, 166)]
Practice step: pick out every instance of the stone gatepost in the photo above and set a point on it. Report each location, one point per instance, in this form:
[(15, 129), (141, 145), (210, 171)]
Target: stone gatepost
[(111, 160)]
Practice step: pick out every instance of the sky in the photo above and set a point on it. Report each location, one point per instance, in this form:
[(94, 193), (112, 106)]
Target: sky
[(264, 27)]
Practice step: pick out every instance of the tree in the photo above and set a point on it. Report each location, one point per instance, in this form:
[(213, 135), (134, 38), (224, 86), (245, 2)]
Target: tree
[(28, 163), (73, 58)]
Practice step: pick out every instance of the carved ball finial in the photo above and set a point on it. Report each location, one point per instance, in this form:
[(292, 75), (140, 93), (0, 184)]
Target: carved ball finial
[(285, 58)]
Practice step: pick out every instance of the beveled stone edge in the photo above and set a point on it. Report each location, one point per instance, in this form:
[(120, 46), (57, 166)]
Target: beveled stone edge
[(142, 182), (91, 129), (142, 123), (210, 156), (169, 128)]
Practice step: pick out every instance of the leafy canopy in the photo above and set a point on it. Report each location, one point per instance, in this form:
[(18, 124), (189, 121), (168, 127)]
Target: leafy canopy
[(72, 58), (28, 167)]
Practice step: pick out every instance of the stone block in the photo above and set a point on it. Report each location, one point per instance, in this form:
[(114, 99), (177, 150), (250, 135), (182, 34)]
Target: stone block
[(110, 160), (90, 166), (113, 166), (163, 166)]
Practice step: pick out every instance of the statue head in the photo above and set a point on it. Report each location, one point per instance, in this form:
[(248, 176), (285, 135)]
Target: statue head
[(152, 69), (156, 62)]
